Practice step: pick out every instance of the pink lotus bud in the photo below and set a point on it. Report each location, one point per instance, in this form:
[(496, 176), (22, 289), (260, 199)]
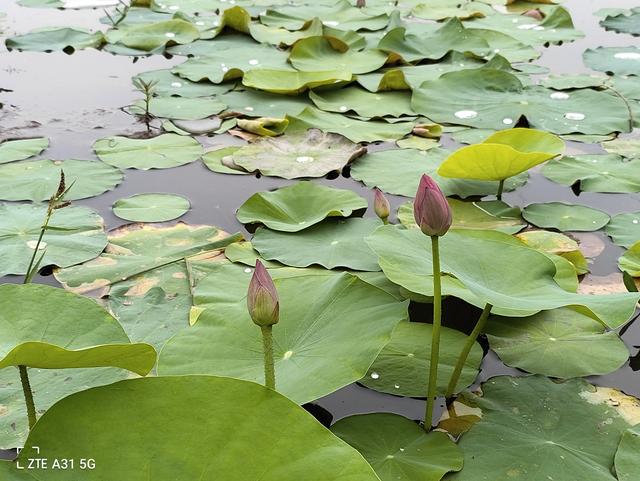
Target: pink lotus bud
[(262, 298), (431, 209), (534, 13), (381, 205)]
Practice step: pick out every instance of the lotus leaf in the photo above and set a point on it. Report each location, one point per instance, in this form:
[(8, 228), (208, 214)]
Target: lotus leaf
[(559, 343), (630, 260), (161, 152), (286, 81), (296, 207), (310, 154), (441, 9), (558, 244), (20, 149), (254, 103), (629, 148), (568, 82), (76, 236), (626, 462), (398, 449), (624, 229), (565, 217), (37, 180), (317, 54), (314, 352), (332, 243), (524, 281), (595, 173), (364, 103), (231, 19), (53, 39), (533, 415), (149, 37), (614, 60), (625, 22), (166, 84), (180, 108), (214, 160), (402, 367), (489, 98), (131, 413), (283, 37), (151, 207)]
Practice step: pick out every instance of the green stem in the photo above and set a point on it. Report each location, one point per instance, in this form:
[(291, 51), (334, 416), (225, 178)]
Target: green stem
[(455, 377), (29, 275), (435, 336), (269, 367), (28, 396), (500, 189)]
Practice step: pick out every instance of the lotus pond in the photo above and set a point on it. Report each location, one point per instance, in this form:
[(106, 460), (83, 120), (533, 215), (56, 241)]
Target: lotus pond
[(429, 208)]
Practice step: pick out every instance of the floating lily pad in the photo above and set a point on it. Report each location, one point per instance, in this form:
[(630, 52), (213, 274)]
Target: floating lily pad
[(488, 98), (53, 39), (315, 54), (629, 262), (614, 60), (627, 22), (131, 413), (151, 207), (296, 207), (78, 237), (441, 9), (596, 173), (629, 148), (20, 149), (624, 229), (332, 243), (568, 82), (166, 84), (565, 217), (363, 102), (161, 152), (310, 154), (180, 108), (626, 461), (214, 161), (399, 171), (398, 449), (402, 367), (287, 81), (283, 37), (152, 36), (534, 415), (557, 244), (313, 348), (37, 180), (254, 103), (559, 343)]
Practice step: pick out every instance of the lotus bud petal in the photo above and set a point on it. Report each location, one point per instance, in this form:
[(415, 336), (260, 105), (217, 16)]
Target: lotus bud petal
[(381, 205), (534, 13), (262, 298), (431, 209)]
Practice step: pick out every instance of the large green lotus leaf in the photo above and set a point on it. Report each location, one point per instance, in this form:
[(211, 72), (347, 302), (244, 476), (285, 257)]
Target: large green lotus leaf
[(614, 60), (624, 229), (296, 207), (488, 98), (352, 129), (149, 37), (52, 39), (468, 215), (166, 84), (161, 152), (213, 48), (281, 36), (568, 430), (77, 235), (402, 367), (131, 414), (629, 262), (49, 328), (494, 268), (441, 9), (254, 103), (565, 217), (398, 449), (629, 148), (309, 154), (363, 102), (559, 343), (231, 62), (528, 141), (151, 207), (596, 173), (142, 256), (340, 15), (332, 243), (576, 81), (180, 108), (313, 346), (627, 22), (399, 171), (136, 15), (20, 149), (556, 27), (214, 161), (626, 459), (37, 180), (289, 81), (315, 54)]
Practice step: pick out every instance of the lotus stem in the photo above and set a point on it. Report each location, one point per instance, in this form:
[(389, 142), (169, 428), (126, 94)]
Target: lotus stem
[(28, 396), (500, 190), (435, 336), (477, 330), (269, 367)]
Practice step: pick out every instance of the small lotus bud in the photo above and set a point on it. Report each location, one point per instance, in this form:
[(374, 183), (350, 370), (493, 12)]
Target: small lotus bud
[(431, 209), (262, 298), (534, 13), (381, 205)]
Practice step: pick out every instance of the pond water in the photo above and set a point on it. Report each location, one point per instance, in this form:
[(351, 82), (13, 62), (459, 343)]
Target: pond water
[(75, 100)]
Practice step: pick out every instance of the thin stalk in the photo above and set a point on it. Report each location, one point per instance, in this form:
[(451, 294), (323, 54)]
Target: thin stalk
[(28, 396), (43, 229), (435, 336), (269, 367), (500, 189), (455, 377)]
